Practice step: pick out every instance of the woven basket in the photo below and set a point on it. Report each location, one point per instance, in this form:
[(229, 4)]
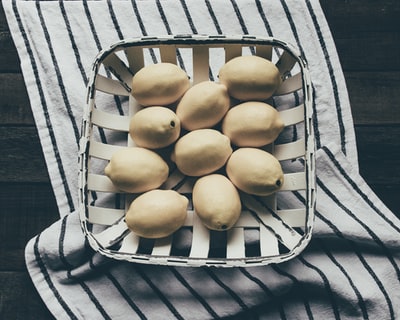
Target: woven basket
[(271, 229)]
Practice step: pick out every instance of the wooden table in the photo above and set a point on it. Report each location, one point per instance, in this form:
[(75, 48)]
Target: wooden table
[(367, 36)]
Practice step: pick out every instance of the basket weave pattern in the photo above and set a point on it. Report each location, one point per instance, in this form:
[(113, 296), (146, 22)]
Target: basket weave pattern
[(271, 229)]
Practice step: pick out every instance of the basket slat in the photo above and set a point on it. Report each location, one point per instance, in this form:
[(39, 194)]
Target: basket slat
[(135, 58), (232, 51), (102, 150), (293, 217), (104, 216), (291, 150), (200, 64), (294, 181), (162, 247), (264, 52), (118, 68), (268, 242), (201, 239), (113, 234), (168, 54), (130, 243), (110, 121), (285, 63), (100, 183), (110, 86), (292, 116), (290, 85), (235, 243)]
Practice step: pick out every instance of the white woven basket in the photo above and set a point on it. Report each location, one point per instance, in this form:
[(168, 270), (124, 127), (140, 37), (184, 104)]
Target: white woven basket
[(271, 229)]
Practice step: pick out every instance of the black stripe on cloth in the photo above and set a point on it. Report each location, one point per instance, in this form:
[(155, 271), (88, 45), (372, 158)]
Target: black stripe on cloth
[(188, 17), (114, 20), (63, 230), (317, 134), (292, 26), (213, 17), (168, 28), (99, 48), (232, 293), (357, 189), (68, 267), (49, 282), (162, 297), (195, 294), (363, 262), (241, 21), (113, 280), (361, 302), (331, 74), (60, 80), (127, 298), (372, 234), (239, 16), (73, 43), (46, 115), (142, 27), (263, 17), (194, 30), (298, 286), (267, 291), (326, 285), (356, 250)]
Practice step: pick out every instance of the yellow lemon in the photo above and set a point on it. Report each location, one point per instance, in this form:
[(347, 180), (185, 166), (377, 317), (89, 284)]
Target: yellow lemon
[(203, 105), (255, 171), (201, 152), (157, 213), (252, 124), (136, 169), (216, 201), (154, 127), (250, 78), (159, 84)]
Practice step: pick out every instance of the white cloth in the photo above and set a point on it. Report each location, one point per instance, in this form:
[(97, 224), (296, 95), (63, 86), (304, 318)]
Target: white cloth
[(349, 270)]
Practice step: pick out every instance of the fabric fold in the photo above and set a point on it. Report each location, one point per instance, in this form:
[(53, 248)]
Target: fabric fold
[(351, 265)]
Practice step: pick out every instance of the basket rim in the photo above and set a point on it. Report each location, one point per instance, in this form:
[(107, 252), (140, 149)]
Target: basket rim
[(194, 40)]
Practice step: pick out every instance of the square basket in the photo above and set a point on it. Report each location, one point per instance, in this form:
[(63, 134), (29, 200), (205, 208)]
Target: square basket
[(271, 229)]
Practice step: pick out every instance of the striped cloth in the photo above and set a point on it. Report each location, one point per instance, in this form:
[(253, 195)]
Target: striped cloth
[(350, 270)]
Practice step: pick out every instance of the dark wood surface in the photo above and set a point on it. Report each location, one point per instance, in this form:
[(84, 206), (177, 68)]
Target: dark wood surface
[(367, 36)]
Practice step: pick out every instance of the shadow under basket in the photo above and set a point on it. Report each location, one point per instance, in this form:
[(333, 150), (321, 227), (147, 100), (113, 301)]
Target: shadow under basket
[(271, 229)]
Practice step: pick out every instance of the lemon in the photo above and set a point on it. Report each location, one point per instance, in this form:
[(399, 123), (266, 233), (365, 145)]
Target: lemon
[(252, 124), (216, 201), (157, 213), (201, 152), (159, 84), (136, 169), (250, 78), (255, 171), (203, 105), (154, 127)]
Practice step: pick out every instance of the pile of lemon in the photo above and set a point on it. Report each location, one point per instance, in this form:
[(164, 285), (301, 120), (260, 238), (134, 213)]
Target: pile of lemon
[(215, 132)]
